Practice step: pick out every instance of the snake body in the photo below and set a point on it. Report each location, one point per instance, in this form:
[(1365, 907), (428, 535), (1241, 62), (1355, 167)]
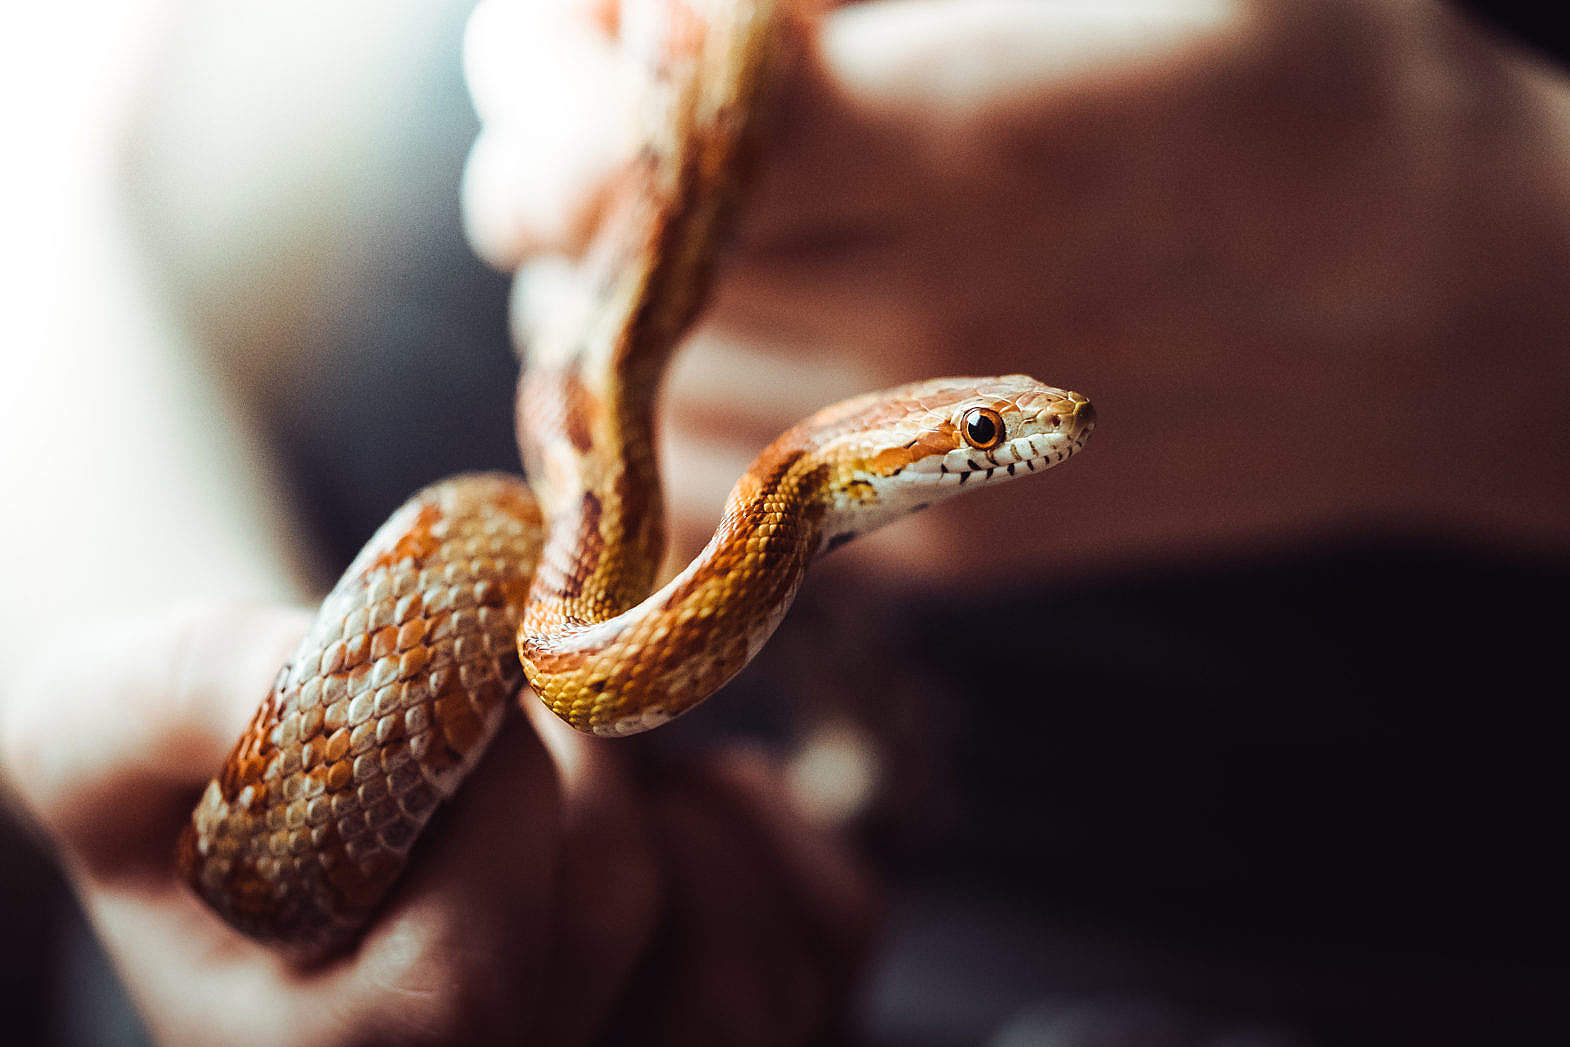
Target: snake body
[(481, 582)]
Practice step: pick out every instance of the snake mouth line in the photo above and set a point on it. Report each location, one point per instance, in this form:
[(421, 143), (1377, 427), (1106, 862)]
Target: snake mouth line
[(1037, 462)]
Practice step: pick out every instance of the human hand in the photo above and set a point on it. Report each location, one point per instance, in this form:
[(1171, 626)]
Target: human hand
[(558, 898), (1281, 246)]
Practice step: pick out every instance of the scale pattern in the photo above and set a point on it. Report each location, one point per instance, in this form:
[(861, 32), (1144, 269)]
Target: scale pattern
[(848, 469), (407, 671), (389, 699)]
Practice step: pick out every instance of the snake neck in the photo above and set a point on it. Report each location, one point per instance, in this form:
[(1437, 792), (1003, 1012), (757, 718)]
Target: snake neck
[(599, 487), (662, 656), (586, 404), (586, 401)]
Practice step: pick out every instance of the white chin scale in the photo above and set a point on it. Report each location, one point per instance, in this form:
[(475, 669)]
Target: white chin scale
[(1019, 457)]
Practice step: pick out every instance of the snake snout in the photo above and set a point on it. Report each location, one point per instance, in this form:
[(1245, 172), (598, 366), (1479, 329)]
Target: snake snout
[(1084, 414), (1070, 414)]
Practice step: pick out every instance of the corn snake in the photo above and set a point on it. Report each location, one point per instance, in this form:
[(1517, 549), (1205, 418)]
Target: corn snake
[(482, 583)]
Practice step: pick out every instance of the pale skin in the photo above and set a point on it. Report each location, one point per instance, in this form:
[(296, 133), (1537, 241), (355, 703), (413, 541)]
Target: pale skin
[(562, 884), (1279, 245), (1335, 233)]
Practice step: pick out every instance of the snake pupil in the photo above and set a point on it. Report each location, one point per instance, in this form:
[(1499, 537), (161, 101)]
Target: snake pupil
[(983, 428)]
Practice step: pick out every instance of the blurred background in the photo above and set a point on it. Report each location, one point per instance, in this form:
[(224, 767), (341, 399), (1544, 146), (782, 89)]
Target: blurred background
[(1288, 796)]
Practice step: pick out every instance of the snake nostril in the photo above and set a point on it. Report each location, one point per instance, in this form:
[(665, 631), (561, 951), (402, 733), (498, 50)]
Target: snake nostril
[(1054, 421)]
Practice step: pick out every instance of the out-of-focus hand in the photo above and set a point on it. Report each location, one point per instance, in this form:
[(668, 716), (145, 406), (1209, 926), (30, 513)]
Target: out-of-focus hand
[(1308, 259), (557, 898)]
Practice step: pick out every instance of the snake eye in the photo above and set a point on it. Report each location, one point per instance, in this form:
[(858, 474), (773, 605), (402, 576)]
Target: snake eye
[(982, 428)]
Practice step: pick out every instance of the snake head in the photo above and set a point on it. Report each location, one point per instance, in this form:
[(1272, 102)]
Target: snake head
[(900, 450)]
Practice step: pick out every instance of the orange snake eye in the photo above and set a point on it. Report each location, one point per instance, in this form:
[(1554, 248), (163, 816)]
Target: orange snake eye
[(982, 428)]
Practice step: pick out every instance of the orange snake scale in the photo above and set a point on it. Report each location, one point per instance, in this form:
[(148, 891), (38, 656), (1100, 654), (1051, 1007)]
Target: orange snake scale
[(482, 581)]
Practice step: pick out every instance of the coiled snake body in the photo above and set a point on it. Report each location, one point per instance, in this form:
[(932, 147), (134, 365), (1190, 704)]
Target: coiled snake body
[(481, 581)]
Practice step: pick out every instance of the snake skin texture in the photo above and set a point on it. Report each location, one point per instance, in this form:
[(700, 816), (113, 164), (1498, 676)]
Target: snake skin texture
[(483, 581), (391, 696), (310, 821), (845, 471)]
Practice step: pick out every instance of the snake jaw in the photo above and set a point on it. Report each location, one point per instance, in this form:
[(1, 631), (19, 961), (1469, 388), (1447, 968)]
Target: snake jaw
[(1019, 457), (928, 458), (1045, 432)]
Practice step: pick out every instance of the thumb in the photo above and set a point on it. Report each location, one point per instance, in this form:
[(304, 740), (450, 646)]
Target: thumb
[(111, 729)]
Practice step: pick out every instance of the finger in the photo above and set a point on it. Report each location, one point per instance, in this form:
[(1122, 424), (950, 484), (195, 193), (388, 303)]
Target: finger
[(932, 58), (557, 100), (831, 905), (608, 884), (455, 956), (513, 50), (729, 964), (834, 891), (110, 730), (900, 100), (461, 947)]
